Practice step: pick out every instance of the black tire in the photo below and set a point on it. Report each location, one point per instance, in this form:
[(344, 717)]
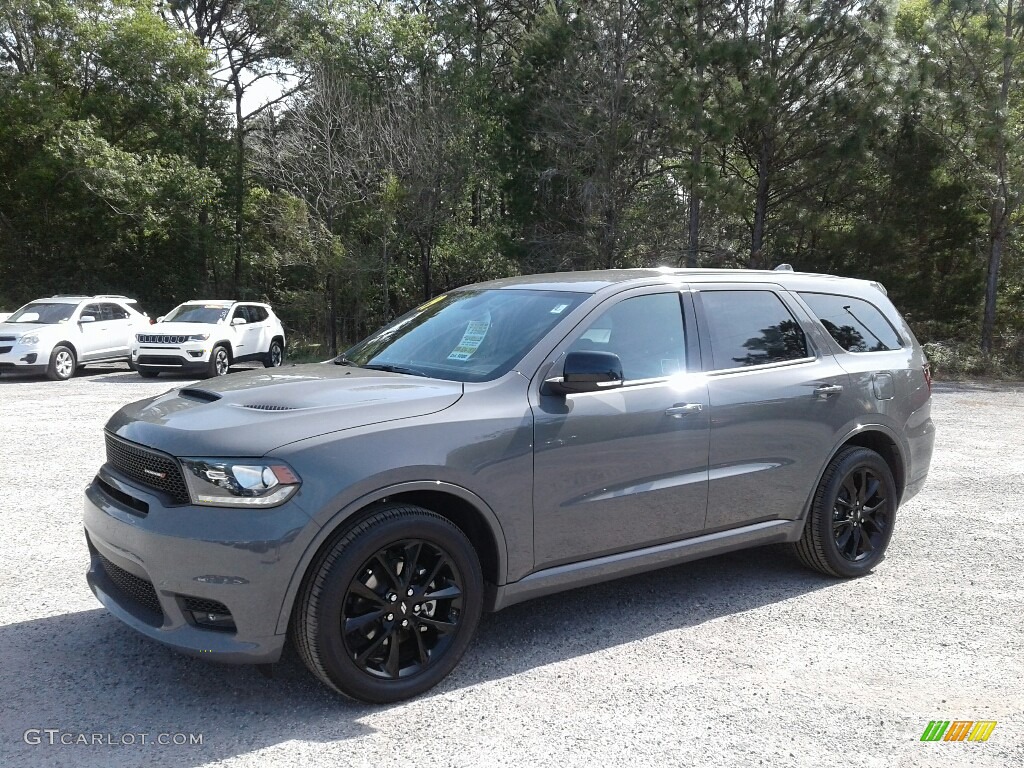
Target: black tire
[(220, 362), (146, 373), (380, 658), (852, 516), (275, 355), (63, 364), (132, 366)]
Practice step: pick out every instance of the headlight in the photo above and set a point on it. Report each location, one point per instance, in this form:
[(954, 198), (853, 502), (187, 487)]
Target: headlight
[(199, 337), (29, 338), (239, 482)]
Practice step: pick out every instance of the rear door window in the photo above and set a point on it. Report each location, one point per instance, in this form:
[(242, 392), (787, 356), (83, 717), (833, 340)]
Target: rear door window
[(855, 324), (751, 328)]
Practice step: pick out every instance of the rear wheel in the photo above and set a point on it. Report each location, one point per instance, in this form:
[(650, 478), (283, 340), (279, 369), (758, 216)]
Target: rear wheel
[(388, 610), (852, 515), (62, 364)]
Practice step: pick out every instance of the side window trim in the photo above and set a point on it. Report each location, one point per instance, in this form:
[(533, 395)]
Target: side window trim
[(704, 328)]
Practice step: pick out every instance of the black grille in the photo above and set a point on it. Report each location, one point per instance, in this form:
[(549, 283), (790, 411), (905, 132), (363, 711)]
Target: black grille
[(258, 407), (5, 350), (7, 338), (151, 338), (155, 470), (164, 360), (202, 605), (138, 589)]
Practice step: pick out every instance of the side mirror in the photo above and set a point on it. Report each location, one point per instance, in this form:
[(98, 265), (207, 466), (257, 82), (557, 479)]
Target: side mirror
[(87, 319), (239, 321), (587, 372), (159, 319)]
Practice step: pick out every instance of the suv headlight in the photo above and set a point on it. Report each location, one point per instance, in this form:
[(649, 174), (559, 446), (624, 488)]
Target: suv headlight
[(29, 338), (239, 482), (199, 337)]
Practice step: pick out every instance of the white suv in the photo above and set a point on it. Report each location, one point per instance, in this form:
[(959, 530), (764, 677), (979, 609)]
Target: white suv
[(206, 337), (59, 335)]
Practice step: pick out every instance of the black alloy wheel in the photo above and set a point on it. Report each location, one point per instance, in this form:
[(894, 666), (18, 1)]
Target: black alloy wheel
[(388, 608), (851, 518)]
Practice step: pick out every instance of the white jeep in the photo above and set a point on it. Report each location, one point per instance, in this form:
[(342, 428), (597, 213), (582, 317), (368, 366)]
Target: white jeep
[(61, 334), (207, 337)]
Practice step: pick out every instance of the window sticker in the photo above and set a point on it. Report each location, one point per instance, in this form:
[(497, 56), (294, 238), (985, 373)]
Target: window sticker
[(598, 335), (559, 309), (475, 333)]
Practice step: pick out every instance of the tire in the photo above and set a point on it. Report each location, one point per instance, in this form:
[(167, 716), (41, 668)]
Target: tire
[(275, 356), (146, 373), (381, 659), (220, 362), (132, 366), (852, 515), (62, 364)]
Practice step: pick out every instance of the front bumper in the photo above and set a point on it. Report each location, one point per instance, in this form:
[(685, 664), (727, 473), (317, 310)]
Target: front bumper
[(151, 562), (18, 358), (190, 356)]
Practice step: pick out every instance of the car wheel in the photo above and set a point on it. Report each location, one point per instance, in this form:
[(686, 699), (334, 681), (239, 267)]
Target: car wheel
[(62, 364), (146, 373), (132, 366), (387, 611), (220, 362), (275, 357), (852, 516)]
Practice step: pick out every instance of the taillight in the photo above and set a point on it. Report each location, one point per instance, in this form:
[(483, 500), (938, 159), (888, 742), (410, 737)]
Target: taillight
[(928, 376)]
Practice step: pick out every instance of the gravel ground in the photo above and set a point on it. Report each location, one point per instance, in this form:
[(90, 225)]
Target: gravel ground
[(741, 660)]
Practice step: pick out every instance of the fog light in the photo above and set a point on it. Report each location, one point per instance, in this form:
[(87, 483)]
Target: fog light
[(195, 352), (222, 621), (30, 358)]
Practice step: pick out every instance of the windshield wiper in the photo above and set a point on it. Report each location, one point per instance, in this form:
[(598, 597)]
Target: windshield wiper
[(388, 368), (342, 360)]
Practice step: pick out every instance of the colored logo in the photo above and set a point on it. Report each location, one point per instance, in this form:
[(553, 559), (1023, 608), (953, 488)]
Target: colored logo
[(958, 730)]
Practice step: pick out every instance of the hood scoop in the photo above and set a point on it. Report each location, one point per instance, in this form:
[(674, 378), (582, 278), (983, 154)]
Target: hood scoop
[(263, 407), (198, 394)]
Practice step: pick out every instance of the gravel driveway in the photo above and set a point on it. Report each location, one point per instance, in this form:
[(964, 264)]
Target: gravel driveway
[(741, 660)]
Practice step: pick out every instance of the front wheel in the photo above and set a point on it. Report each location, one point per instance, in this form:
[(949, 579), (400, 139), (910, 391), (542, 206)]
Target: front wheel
[(220, 362), (852, 516), (387, 611), (62, 364), (147, 373), (275, 356)]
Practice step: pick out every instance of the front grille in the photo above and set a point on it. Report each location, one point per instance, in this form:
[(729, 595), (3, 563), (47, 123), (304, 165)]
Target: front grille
[(159, 338), (7, 338), (135, 587), (5, 350), (163, 360), (152, 469)]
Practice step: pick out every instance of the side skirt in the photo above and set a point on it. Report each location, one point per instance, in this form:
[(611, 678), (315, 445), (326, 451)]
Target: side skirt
[(587, 572)]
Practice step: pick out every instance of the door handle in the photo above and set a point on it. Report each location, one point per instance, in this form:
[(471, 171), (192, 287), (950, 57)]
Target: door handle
[(678, 411), (828, 390)]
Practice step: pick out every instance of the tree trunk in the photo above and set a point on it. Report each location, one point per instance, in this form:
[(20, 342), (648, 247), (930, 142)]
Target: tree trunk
[(239, 190), (696, 154), (760, 206), (332, 293)]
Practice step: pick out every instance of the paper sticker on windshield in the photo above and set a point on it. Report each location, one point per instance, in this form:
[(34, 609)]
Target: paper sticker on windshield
[(597, 335), (471, 340), (559, 309)]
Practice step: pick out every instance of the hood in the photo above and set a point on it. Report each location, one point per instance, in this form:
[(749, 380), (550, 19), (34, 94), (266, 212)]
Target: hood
[(179, 329), (20, 329), (251, 414)]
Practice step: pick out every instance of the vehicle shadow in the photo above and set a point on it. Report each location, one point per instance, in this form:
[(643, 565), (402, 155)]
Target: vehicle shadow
[(87, 673)]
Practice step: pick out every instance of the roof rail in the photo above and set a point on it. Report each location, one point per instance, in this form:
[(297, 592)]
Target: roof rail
[(783, 268)]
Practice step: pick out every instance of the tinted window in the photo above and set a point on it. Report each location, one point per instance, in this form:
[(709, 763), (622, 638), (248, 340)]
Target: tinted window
[(474, 335), (646, 332), (257, 314), (114, 312), (42, 313), (751, 328), (94, 310), (854, 323), (197, 313)]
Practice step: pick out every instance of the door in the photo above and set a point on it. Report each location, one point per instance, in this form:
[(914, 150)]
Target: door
[(778, 404), (119, 330), (626, 468), (91, 337), (244, 336)]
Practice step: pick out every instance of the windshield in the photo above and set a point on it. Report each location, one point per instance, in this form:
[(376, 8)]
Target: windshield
[(465, 336), (42, 313), (196, 313)]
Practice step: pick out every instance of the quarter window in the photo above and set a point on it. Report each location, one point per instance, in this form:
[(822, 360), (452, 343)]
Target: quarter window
[(646, 332), (751, 328), (855, 324)]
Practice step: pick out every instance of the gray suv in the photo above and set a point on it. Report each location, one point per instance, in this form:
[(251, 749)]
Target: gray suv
[(504, 441)]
